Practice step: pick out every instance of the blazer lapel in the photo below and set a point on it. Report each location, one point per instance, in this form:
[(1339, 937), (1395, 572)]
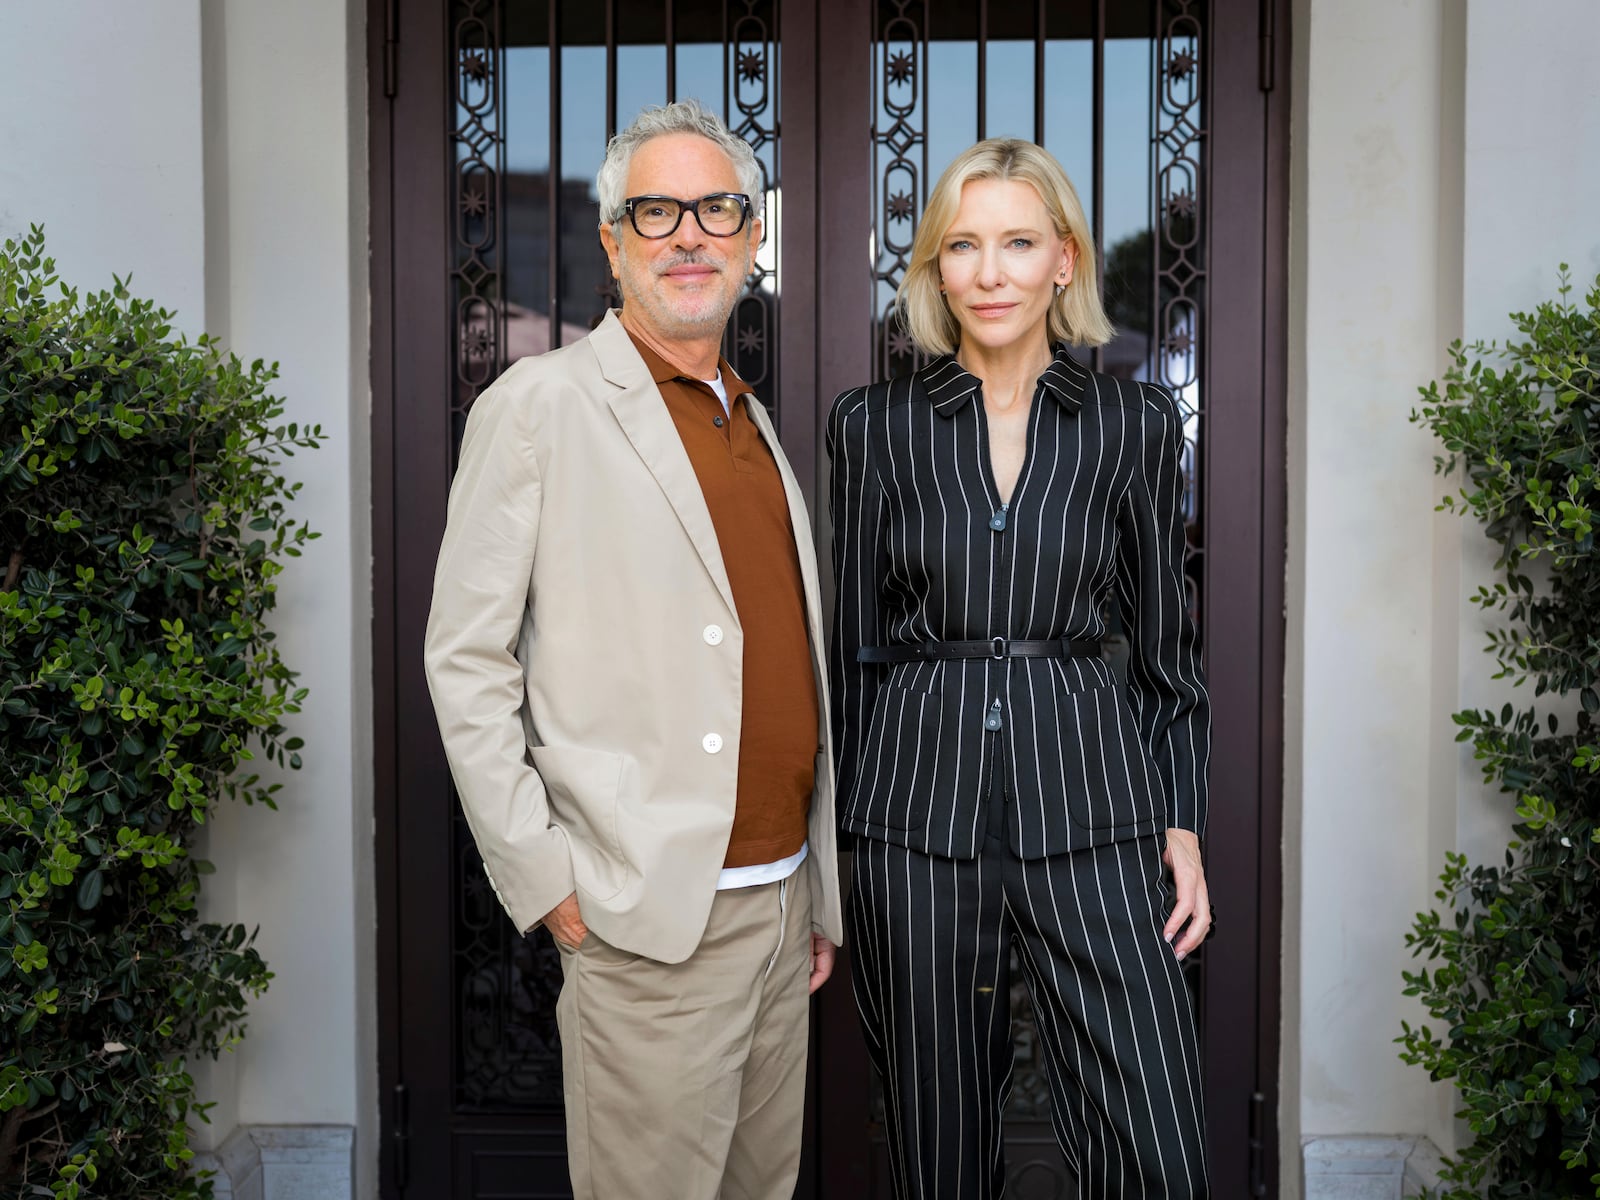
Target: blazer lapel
[(644, 418)]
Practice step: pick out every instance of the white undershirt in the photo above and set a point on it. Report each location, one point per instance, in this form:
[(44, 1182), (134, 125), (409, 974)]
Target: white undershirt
[(742, 877), (760, 873), (717, 386)]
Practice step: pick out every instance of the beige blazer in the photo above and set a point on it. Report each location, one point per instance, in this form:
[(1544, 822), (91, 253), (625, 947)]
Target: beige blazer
[(585, 656)]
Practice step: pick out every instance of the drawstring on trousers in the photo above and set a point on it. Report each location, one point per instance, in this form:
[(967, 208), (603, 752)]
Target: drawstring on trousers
[(783, 920)]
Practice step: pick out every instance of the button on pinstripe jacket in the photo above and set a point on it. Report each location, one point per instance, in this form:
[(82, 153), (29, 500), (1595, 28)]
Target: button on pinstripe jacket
[(916, 557)]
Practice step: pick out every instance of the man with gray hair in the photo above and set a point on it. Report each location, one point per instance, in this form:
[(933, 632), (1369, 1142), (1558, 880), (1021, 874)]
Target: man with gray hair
[(625, 654)]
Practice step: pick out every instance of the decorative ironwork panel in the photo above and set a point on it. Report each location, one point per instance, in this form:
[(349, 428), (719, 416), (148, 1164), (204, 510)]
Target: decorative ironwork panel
[(506, 988), (900, 167), (477, 147), (1179, 265), (751, 72), (1179, 284), (507, 1052)]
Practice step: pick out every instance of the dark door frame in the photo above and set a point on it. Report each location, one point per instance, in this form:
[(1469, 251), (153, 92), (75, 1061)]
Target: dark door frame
[(1248, 96), (409, 377), (1249, 314)]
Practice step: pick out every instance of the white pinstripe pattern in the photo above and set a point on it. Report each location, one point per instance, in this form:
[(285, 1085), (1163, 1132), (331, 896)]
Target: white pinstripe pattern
[(931, 938), (1089, 775)]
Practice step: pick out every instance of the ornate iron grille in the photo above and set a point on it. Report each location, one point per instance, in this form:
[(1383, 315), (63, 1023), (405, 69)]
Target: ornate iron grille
[(527, 275), (900, 174), (752, 78), (478, 167), (1179, 266), (1177, 151)]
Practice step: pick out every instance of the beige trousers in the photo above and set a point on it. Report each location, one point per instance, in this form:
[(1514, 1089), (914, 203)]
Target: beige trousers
[(686, 1081)]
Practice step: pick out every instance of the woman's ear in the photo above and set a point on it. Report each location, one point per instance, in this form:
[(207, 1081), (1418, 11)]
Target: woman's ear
[(1069, 260)]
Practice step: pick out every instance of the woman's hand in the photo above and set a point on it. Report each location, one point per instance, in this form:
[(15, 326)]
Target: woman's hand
[(1193, 903)]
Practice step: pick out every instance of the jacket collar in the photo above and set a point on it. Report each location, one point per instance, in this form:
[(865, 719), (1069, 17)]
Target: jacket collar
[(949, 384), (664, 372)]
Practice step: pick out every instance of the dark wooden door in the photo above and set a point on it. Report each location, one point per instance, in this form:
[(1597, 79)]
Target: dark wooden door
[(488, 121)]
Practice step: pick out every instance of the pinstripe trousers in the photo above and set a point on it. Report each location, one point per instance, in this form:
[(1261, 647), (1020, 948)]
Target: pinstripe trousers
[(931, 938)]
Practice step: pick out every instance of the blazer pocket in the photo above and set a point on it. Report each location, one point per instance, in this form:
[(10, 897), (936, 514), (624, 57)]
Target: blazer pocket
[(1073, 675), (906, 762), (581, 788), (1107, 775), (921, 677)]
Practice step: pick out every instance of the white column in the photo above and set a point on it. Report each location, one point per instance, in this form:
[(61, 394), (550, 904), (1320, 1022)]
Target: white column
[(287, 183), (1371, 217)]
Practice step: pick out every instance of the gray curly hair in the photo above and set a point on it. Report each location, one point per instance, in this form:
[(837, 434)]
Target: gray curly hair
[(681, 116)]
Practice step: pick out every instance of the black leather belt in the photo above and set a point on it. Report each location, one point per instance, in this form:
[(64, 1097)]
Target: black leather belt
[(992, 648)]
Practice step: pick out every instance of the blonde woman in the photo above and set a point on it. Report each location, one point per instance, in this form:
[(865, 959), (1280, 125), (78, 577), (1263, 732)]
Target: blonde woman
[(1003, 789)]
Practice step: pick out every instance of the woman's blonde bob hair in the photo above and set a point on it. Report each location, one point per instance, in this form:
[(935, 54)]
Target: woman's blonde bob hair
[(1076, 315)]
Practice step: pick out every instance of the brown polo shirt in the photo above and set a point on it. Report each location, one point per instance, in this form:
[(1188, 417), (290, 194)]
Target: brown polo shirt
[(744, 493)]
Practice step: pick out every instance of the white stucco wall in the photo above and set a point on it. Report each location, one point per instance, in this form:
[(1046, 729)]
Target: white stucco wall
[(216, 149), (1359, 697), (1438, 178), (100, 142), (287, 166)]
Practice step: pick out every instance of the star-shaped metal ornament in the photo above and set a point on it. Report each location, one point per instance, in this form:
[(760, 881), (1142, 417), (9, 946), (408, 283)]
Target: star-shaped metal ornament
[(751, 66), (475, 65), (474, 202), (751, 340), (902, 67), (1181, 204), (900, 206), (477, 341), (899, 344), (1180, 64), (1179, 341)]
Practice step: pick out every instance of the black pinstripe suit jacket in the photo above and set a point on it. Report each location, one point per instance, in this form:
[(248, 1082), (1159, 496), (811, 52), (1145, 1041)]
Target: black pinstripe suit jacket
[(917, 558)]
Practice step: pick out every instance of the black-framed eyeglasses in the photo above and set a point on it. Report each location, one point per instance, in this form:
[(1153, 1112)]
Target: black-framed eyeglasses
[(721, 214)]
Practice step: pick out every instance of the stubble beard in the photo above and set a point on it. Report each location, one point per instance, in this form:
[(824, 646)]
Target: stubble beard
[(671, 319)]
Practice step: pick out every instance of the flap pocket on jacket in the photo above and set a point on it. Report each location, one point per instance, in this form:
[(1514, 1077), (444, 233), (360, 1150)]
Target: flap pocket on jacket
[(1074, 675), (581, 788), (904, 761), (1106, 773), (921, 677)]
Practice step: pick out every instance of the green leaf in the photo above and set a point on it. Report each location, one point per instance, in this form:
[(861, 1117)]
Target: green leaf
[(90, 888)]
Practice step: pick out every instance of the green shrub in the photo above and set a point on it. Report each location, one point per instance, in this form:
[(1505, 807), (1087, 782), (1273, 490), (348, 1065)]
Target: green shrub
[(1517, 974), (143, 524)]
